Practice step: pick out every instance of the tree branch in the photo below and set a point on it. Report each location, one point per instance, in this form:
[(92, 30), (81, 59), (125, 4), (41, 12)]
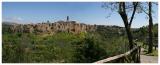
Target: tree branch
[(124, 7), (133, 13), (123, 14), (144, 10)]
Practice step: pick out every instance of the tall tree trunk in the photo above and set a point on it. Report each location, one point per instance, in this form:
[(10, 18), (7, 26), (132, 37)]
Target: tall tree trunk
[(128, 30), (124, 17), (130, 38), (150, 29), (129, 34)]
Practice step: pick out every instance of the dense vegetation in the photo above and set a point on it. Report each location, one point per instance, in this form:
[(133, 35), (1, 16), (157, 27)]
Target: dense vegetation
[(84, 47), (62, 46), (141, 35)]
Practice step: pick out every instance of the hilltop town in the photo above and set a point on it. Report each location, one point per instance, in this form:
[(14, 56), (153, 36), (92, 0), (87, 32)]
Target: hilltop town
[(51, 28)]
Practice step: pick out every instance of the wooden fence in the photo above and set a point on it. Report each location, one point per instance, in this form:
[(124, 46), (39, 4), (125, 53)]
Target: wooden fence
[(132, 56)]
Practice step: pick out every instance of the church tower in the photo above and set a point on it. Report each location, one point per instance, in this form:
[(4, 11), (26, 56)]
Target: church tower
[(67, 18)]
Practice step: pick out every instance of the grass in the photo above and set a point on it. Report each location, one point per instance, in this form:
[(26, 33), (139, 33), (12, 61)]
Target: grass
[(154, 53)]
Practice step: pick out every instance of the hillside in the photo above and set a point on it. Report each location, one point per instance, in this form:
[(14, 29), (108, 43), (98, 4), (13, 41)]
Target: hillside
[(64, 42), (69, 42)]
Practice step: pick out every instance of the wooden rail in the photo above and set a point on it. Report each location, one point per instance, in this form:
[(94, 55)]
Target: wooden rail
[(132, 56)]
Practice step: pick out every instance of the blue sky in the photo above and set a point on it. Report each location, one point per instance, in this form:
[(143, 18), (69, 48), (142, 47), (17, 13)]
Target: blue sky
[(83, 12)]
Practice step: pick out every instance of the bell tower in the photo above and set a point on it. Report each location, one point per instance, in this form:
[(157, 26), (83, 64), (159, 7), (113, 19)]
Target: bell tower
[(67, 18)]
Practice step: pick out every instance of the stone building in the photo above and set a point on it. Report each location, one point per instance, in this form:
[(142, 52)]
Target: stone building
[(59, 26)]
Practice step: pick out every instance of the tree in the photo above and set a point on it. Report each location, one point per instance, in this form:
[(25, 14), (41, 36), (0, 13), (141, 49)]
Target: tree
[(150, 28), (148, 11), (124, 8), (89, 50)]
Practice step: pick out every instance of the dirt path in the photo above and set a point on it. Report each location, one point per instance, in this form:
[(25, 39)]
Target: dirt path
[(148, 59)]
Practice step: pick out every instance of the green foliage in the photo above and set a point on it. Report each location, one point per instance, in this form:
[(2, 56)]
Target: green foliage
[(142, 34), (62, 47), (154, 53), (89, 50)]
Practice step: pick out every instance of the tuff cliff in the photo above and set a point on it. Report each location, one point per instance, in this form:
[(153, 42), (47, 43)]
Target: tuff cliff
[(51, 28)]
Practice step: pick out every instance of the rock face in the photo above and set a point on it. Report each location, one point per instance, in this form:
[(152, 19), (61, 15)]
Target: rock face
[(51, 28)]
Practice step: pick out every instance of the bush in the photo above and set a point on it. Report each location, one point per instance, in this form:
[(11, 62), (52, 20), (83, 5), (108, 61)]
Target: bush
[(88, 50)]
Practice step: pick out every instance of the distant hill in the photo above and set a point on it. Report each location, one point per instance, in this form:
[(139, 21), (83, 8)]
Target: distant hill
[(8, 23)]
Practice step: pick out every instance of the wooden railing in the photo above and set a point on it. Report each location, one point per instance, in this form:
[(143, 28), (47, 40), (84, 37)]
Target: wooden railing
[(132, 56)]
